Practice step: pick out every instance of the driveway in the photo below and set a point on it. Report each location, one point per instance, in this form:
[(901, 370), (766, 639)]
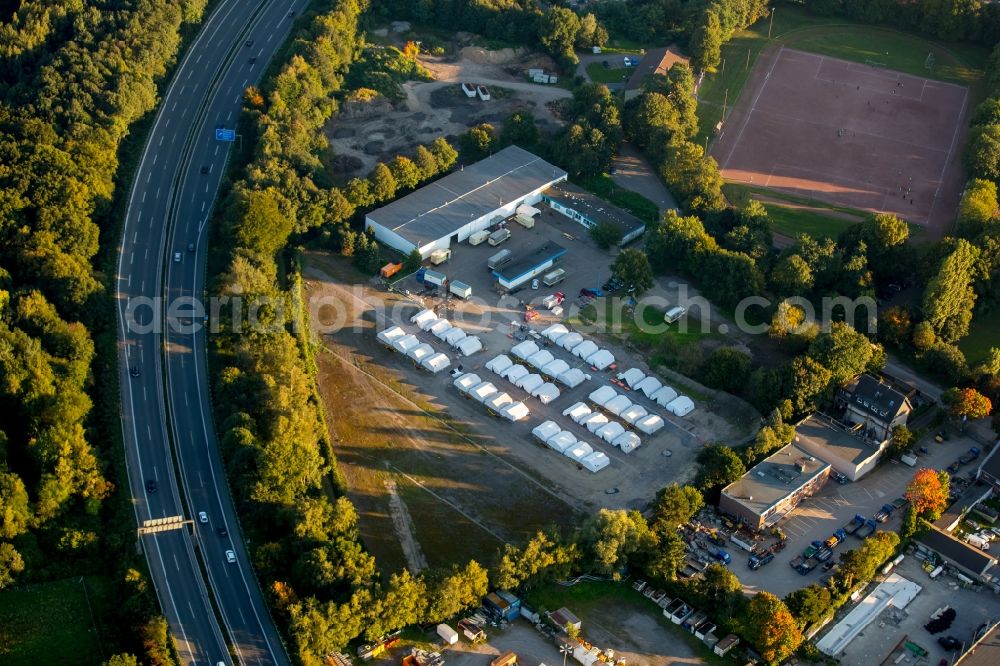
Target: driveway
[(614, 59), (635, 173)]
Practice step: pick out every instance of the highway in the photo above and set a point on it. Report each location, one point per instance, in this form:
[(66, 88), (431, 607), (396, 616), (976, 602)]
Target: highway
[(166, 419)]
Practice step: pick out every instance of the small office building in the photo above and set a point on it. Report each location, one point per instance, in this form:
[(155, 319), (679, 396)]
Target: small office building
[(590, 210), (541, 261)]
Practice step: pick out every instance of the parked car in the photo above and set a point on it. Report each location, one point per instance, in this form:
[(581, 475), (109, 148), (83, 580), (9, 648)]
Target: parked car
[(949, 643), (591, 293), (838, 477), (534, 284)]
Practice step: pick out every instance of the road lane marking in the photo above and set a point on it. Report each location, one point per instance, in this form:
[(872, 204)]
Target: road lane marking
[(217, 150), (131, 258), (163, 137), (206, 188), (177, 564), (144, 396), (149, 433), (155, 157), (203, 206), (158, 193), (241, 614), (143, 197), (129, 279), (135, 237), (149, 174), (182, 89), (229, 115)]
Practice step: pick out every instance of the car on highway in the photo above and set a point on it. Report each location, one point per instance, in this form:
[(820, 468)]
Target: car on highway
[(202, 517), (230, 556), (134, 371), (177, 257), (204, 169), (151, 486), (248, 43), (190, 247), (222, 531)]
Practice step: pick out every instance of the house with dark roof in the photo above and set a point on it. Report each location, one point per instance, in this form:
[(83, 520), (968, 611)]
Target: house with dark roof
[(989, 469), (873, 407), (655, 61), (974, 563)]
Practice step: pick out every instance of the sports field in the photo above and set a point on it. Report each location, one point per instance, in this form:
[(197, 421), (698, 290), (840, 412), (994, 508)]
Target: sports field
[(850, 134)]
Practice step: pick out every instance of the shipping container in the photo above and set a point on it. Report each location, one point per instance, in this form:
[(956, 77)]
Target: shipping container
[(449, 635), (501, 258), (525, 221), (478, 237), (440, 256), (460, 289), (499, 236), (435, 278)]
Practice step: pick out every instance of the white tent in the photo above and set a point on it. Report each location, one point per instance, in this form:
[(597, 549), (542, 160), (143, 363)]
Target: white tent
[(405, 343), (579, 451), (570, 340), (515, 372), (610, 432), (454, 336), (627, 442), (440, 328), (388, 335), (436, 363), (524, 349), (420, 352), (467, 381), (555, 331), (572, 377), (541, 358), (424, 317), (483, 391), (617, 405), (602, 395), (585, 349), (649, 423), (561, 441), (601, 359), (546, 430), (632, 377), (555, 368), (596, 461), (515, 412), (634, 413), (529, 382), (499, 364), (681, 405), (664, 396), (649, 386), (595, 421), (577, 411), (470, 345), (525, 209), (498, 402), (546, 393)]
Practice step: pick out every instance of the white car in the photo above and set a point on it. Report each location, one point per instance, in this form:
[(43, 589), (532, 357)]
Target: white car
[(230, 556), (202, 517), (177, 257)]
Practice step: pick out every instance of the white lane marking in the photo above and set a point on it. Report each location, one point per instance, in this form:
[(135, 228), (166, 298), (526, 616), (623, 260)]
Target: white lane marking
[(143, 197), (269, 36), (177, 564), (163, 137), (167, 123), (241, 614), (186, 400), (229, 115), (158, 193), (182, 89), (145, 397), (217, 150), (155, 157), (198, 59), (135, 236), (245, 82), (201, 480), (203, 206), (206, 188), (149, 433), (147, 253), (142, 286), (129, 279), (131, 258), (149, 174)]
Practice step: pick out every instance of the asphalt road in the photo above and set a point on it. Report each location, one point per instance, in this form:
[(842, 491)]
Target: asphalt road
[(166, 419)]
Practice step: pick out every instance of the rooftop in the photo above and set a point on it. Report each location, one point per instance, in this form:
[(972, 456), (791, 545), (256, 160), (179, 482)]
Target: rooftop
[(444, 206), (966, 556), (985, 652), (775, 478), (656, 61), (594, 207), (519, 267), (823, 431), (894, 590), (875, 398)]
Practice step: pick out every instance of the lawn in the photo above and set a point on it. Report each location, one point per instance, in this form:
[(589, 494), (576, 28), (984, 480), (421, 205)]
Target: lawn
[(645, 328), (835, 37), (793, 220), (981, 337), (600, 74), (49, 623), (633, 202)]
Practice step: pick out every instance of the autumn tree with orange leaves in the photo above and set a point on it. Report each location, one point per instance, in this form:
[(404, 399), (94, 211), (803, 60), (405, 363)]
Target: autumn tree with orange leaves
[(967, 402), (928, 492), (771, 628)]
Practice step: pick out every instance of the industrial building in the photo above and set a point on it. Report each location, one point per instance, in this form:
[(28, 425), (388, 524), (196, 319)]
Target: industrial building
[(520, 271), (895, 592), (774, 487), (472, 199), (971, 562), (590, 210), (831, 441)]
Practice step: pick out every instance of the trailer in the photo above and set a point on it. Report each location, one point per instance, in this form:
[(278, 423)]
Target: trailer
[(440, 256), (745, 545), (856, 522), (433, 278), (391, 269), (447, 634), (478, 237), (460, 289), (866, 530), (835, 539)]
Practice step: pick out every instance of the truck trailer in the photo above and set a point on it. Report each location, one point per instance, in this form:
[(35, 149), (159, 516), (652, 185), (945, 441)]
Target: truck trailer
[(460, 289)]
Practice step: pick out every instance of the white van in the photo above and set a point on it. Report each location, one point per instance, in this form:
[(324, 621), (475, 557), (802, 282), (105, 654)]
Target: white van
[(674, 313)]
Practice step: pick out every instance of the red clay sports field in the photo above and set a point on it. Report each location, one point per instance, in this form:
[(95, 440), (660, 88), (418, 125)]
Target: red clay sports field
[(849, 134)]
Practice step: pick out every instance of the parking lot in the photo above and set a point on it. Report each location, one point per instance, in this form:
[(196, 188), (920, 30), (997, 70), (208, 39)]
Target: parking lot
[(893, 626), (835, 505)]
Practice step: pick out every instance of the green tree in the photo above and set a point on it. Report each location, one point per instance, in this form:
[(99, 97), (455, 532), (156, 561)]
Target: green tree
[(770, 627), (718, 465), (557, 31), (606, 235), (923, 336), (860, 565), (949, 298), (412, 262), (405, 171), (11, 564), (445, 155), (544, 557), (462, 588), (706, 42), (122, 660), (809, 604), (726, 368), (426, 162), (478, 141), (673, 506), (404, 603), (668, 558), (982, 152), (382, 184), (15, 511), (967, 403), (808, 379), (631, 266), (946, 361), (721, 590), (978, 206), (519, 129), (843, 351), (612, 537)]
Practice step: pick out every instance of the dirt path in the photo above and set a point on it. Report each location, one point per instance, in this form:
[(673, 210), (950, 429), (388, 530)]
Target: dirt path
[(405, 532)]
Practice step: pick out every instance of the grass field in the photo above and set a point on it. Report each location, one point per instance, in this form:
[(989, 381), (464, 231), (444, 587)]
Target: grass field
[(981, 337), (598, 73), (835, 37), (631, 201), (801, 216), (49, 623)]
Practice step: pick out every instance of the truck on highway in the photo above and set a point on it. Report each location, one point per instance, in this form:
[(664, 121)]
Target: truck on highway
[(866, 530), (883, 514), (857, 521)]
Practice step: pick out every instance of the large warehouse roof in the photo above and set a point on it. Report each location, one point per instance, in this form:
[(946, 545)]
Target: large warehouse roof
[(444, 206)]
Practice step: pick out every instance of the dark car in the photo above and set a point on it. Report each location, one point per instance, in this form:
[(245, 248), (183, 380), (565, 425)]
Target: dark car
[(839, 478), (151, 486), (204, 169), (222, 531), (190, 247), (949, 642), (134, 371), (248, 43)]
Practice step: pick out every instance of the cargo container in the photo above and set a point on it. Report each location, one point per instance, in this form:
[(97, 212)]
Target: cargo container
[(554, 277), (525, 221), (440, 256), (469, 89), (433, 277), (499, 236), (501, 258), (391, 269), (460, 289), (449, 635), (478, 237)]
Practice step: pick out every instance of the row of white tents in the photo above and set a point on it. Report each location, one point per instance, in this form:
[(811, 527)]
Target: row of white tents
[(608, 399), (566, 443), (610, 431), (442, 329), (518, 375), (655, 390), (496, 401), (555, 369), (575, 343), (397, 339)]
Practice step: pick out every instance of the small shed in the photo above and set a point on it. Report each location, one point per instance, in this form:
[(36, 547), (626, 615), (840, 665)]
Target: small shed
[(544, 431), (506, 659), (723, 647), (483, 391), (524, 349), (585, 349), (596, 461), (422, 317), (529, 382), (664, 396), (469, 345), (578, 451), (499, 364), (467, 382), (555, 368), (627, 442), (541, 358), (649, 424), (561, 441), (449, 635), (577, 411), (601, 359), (634, 413), (436, 363), (564, 618), (595, 421), (546, 393), (440, 328), (515, 373), (618, 405), (610, 432)]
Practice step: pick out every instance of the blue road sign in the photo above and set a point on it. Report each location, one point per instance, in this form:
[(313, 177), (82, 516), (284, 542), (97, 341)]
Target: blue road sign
[(223, 134)]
